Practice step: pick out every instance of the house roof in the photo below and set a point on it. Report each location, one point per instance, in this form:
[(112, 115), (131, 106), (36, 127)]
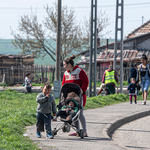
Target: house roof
[(108, 56), (143, 29), (111, 44), (15, 56)]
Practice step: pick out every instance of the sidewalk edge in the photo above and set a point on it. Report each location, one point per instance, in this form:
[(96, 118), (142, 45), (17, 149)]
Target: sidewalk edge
[(114, 125)]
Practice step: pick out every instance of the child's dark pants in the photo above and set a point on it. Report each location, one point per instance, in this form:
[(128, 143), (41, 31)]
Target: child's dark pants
[(41, 120)]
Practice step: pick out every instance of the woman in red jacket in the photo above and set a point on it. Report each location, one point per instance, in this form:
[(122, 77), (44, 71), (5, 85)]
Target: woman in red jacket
[(74, 74)]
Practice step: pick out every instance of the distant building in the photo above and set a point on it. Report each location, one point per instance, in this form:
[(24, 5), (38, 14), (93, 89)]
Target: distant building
[(135, 44), (12, 67), (7, 61)]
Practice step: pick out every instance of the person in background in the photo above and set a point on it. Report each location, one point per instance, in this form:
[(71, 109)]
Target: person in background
[(28, 84), (132, 90), (144, 77), (109, 79), (102, 88), (46, 105), (134, 74), (75, 74)]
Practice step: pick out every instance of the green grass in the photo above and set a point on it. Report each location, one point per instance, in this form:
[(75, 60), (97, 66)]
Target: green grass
[(125, 83), (37, 84), (101, 101), (18, 110)]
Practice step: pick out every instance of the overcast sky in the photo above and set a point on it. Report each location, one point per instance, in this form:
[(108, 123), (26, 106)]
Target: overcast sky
[(11, 10)]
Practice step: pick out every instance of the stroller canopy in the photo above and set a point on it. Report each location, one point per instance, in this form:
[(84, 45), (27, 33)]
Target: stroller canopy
[(68, 88)]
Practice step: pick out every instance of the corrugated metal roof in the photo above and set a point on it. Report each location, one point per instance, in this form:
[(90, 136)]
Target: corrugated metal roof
[(108, 56), (16, 56)]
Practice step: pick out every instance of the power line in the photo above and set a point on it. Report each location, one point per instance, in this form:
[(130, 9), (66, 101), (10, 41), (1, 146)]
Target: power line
[(41, 8), (133, 4)]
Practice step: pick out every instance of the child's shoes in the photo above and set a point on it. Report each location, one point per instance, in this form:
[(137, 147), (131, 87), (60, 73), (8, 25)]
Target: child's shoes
[(38, 134), (49, 136)]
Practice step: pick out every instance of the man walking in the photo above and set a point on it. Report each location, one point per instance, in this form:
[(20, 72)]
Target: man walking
[(110, 78)]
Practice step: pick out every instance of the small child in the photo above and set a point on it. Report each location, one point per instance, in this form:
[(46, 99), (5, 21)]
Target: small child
[(131, 88), (46, 105), (28, 84), (69, 110), (102, 88)]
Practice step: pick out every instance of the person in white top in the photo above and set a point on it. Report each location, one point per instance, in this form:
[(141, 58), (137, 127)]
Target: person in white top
[(28, 84)]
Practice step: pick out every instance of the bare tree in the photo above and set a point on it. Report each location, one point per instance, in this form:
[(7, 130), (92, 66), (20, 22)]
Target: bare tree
[(102, 23), (33, 39), (71, 42)]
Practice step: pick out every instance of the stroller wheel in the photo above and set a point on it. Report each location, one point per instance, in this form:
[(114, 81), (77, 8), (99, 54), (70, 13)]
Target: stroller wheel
[(54, 133), (81, 133), (64, 129)]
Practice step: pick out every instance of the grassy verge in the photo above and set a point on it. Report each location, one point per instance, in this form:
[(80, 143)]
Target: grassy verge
[(18, 110), (125, 83), (101, 101)]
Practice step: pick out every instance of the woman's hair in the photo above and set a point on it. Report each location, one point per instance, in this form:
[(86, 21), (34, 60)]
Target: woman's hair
[(144, 57), (70, 60), (132, 79)]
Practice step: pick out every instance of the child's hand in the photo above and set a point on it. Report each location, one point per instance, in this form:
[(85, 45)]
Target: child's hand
[(47, 95), (72, 110), (64, 109)]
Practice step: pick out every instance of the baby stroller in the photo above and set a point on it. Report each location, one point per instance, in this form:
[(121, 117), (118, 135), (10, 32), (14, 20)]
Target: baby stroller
[(67, 88)]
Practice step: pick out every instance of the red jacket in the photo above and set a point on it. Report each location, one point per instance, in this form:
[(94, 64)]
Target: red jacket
[(77, 76)]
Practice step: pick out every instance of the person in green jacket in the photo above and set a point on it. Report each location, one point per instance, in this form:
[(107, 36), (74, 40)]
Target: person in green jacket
[(68, 110)]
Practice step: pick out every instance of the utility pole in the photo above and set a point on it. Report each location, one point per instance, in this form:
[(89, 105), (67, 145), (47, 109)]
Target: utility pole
[(57, 82), (93, 49), (119, 40), (142, 19)]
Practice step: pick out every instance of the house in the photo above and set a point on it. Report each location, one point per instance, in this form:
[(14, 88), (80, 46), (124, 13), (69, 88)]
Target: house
[(136, 43), (9, 60), (11, 67)]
